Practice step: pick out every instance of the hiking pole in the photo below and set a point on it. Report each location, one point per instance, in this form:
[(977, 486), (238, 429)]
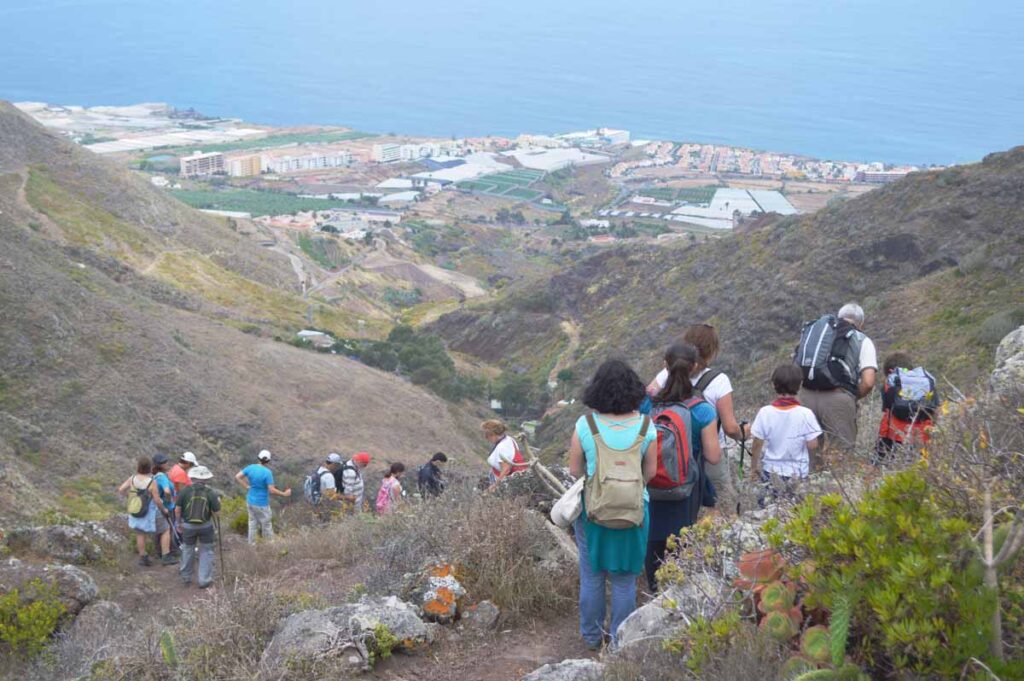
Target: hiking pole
[(743, 454), (220, 547)]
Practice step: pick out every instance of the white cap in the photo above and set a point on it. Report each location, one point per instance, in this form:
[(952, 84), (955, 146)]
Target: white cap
[(264, 455), (333, 457), (200, 473), (189, 457)]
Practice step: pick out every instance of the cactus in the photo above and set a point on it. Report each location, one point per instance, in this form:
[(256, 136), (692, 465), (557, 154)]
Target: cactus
[(816, 645), (168, 650), (839, 629), (777, 596), (779, 626)]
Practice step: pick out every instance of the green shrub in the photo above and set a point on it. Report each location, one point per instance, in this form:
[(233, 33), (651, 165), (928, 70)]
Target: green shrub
[(235, 514), (899, 557), (29, 616), (997, 326)]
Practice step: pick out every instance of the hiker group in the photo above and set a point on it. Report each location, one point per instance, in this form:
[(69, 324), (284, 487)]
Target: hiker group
[(651, 457), (179, 510)]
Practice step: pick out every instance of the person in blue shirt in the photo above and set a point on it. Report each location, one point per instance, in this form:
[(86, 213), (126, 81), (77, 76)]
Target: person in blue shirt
[(164, 519), (258, 480), (611, 555), (669, 517)]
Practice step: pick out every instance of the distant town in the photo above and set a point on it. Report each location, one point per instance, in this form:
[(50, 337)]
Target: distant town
[(345, 182)]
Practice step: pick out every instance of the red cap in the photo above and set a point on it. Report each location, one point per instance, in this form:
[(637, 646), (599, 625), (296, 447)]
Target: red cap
[(362, 458)]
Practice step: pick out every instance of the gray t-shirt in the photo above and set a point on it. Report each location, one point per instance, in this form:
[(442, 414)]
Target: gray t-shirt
[(352, 483)]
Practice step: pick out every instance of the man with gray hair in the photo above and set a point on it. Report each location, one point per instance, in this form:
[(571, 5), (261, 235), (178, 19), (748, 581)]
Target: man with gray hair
[(835, 379)]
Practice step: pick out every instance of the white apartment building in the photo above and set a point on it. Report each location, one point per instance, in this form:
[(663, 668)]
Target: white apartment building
[(387, 153), (200, 164), (311, 161)]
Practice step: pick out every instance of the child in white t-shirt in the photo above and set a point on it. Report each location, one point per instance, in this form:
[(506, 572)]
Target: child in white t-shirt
[(785, 434)]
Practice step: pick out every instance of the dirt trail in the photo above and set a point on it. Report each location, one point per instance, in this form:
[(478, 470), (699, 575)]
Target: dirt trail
[(571, 329)]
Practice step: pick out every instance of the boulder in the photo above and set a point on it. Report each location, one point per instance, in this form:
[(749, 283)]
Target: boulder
[(700, 595), (347, 631), (481, 617), (568, 670), (98, 621), (560, 552), (437, 593), (78, 543), (75, 588), (1007, 380)]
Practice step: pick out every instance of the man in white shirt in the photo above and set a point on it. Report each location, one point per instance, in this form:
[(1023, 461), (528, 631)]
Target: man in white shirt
[(836, 409)]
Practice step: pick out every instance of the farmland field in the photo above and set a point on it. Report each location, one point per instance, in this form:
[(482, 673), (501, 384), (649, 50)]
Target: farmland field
[(510, 184), (691, 195), (255, 202), (283, 140)]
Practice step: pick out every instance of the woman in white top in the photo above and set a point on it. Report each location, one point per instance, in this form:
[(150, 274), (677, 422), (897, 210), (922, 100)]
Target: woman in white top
[(716, 389), (505, 456)]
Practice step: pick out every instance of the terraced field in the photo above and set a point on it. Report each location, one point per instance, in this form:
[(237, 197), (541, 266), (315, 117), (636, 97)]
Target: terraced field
[(690, 195), (514, 184)]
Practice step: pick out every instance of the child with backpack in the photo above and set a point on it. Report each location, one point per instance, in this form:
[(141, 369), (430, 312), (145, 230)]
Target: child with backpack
[(389, 498), (909, 401), (143, 505), (610, 446), (785, 433), (687, 438)]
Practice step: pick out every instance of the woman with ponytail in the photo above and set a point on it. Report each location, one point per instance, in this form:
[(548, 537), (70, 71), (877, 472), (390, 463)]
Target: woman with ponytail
[(668, 517)]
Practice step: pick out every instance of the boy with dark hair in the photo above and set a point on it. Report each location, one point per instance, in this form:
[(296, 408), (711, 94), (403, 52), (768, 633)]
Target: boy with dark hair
[(785, 433), (430, 478)]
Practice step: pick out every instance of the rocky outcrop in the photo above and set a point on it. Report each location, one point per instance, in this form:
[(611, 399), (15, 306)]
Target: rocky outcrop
[(697, 596), (355, 632), (568, 670), (1007, 380), (75, 588), (78, 544)]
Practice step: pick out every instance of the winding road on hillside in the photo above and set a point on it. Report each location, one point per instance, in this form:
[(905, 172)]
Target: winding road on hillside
[(572, 330)]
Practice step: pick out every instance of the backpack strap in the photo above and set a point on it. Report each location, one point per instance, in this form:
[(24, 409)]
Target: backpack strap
[(644, 425), (592, 424), (705, 380)]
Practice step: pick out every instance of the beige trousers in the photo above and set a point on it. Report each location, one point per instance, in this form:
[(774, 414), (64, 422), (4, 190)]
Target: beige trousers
[(836, 411)]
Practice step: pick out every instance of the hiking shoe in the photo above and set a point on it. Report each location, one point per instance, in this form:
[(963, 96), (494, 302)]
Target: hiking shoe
[(169, 559), (144, 561)]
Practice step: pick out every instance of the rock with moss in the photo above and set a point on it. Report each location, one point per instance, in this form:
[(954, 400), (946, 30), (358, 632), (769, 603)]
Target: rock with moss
[(437, 593), (1008, 378), (696, 596), (360, 633), (74, 587), (568, 670), (78, 543)]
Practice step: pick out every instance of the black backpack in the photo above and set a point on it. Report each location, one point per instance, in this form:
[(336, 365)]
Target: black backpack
[(311, 487), (829, 354), (197, 508)]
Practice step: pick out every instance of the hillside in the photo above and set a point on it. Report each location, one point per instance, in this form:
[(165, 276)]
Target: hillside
[(934, 258), (133, 324)]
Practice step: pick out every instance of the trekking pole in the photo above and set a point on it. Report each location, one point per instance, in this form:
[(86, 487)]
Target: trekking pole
[(220, 547), (743, 454)]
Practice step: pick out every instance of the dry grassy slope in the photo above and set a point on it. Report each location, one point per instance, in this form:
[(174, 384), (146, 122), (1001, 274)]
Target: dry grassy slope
[(932, 258), (102, 361)]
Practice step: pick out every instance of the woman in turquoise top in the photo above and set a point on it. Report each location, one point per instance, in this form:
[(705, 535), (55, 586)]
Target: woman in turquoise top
[(614, 394)]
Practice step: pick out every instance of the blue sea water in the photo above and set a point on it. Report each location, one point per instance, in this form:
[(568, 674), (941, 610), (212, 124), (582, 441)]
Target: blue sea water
[(892, 80)]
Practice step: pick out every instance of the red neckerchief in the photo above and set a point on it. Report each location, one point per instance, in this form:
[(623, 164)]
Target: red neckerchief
[(786, 402)]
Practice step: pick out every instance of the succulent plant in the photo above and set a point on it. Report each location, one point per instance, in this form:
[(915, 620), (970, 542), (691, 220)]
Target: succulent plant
[(777, 596), (779, 626), (794, 667), (759, 567), (816, 644)]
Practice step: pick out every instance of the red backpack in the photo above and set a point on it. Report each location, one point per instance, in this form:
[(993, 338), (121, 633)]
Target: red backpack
[(678, 471)]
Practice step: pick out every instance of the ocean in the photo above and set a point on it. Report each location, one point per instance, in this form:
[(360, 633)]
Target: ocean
[(901, 81)]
